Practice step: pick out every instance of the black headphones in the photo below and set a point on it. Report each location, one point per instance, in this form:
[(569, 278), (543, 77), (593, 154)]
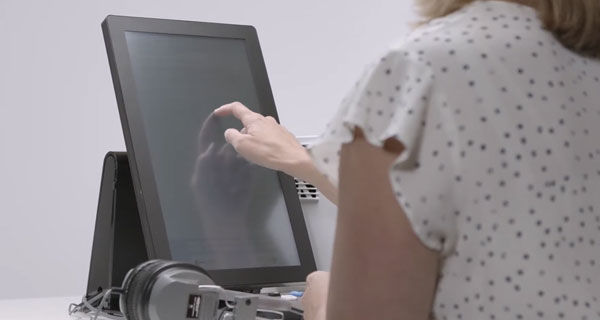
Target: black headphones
[(161, 289), (139, 281)]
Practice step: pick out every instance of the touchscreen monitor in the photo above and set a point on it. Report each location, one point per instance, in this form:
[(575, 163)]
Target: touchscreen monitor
[(202, 202), (220, 211)]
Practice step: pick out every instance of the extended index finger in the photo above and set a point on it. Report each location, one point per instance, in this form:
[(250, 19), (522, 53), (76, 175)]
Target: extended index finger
[(239, 111)]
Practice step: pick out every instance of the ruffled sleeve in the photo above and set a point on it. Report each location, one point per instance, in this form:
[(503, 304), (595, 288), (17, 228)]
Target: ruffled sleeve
[(396, 98)]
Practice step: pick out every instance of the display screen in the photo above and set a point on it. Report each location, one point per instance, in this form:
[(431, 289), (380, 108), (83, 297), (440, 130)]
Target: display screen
[(220, 211)]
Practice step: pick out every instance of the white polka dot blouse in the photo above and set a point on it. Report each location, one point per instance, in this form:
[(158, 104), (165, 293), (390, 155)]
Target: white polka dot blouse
[(501, 168)]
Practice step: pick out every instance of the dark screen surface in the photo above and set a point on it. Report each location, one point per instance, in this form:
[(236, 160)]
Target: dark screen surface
[(219, 211)]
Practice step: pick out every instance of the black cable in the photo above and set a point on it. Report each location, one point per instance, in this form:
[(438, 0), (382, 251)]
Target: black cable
[(222, 313)]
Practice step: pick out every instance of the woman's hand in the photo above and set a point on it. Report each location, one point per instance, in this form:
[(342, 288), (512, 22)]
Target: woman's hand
[(314, 300), (265, 142), (268, 144)]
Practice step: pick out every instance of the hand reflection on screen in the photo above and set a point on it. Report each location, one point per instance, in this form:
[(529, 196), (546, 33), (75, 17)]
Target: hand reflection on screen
[(220, 177), (233, 217)]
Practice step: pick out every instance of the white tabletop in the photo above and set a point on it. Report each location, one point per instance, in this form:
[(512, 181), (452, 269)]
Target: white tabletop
[(55, 308), (40, 308)]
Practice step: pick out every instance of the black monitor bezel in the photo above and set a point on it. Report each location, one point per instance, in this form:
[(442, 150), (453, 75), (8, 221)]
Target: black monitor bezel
[(114, 28)]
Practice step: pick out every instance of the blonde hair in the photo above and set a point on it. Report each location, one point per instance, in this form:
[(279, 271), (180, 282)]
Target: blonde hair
[(575, 23)]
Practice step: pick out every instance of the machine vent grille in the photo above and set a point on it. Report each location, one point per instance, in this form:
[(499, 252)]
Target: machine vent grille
[(306, 191)]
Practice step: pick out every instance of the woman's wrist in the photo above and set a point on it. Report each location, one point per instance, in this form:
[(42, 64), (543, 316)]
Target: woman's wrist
[(304, 168), (301, 167)]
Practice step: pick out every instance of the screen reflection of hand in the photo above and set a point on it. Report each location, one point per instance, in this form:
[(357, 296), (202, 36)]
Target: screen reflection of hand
[(220, 180), (233, 218)]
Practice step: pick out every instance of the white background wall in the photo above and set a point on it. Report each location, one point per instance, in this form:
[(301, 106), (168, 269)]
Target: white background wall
[(58, 114)]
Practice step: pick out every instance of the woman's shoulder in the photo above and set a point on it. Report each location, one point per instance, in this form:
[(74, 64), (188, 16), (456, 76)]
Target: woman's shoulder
[(482, 30)]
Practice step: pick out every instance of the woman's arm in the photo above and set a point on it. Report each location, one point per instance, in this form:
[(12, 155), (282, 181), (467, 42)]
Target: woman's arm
[(309, 173), (268, 144), (314, 300), (380, 268)]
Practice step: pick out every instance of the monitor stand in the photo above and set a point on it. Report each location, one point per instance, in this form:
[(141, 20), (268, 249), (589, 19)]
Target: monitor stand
[(118, 238)]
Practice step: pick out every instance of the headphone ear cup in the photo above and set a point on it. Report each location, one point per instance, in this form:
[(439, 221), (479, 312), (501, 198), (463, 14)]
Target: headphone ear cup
[(127, 282), (138, 284), (133, 282)]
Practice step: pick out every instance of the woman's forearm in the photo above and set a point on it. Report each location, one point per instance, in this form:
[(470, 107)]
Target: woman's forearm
[(307, 171), (326, 187)]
